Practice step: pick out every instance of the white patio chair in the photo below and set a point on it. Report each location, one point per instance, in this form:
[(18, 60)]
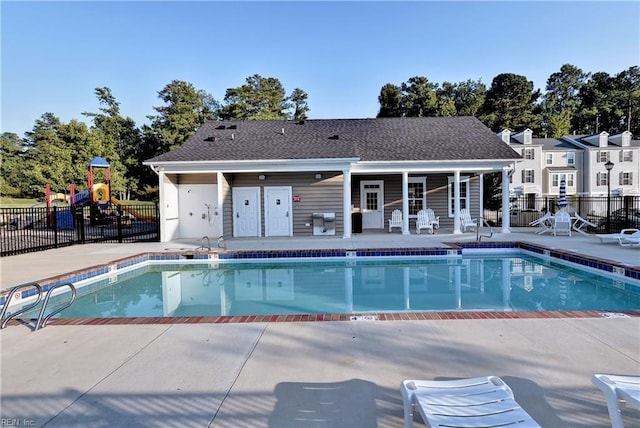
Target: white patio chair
[(395, 220), (618, 389), (476, 402), (630, 241), (561, 223), (423, 222), (581, 222), (466, 221), (544, 223), (433, 218)]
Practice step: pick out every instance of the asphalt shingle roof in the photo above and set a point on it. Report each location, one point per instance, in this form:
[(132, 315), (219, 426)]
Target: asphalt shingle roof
[(388, 139)]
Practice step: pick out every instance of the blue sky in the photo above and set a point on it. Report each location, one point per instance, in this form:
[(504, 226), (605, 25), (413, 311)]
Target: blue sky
[(54, 54)]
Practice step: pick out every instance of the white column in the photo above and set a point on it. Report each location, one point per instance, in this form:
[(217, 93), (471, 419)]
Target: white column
[(505, 201), (162, 208), (405, 203), (346, 203), (219, 209), (481, 200), (456, 202)]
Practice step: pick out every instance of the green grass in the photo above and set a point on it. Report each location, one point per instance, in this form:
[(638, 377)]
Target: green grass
[(8, 202)]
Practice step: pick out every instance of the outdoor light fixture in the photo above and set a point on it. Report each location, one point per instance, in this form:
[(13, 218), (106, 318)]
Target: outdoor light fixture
[(262, 177), (318, 176), (608, 166)]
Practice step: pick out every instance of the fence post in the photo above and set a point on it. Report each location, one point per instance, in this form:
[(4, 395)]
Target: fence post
[(119, 223), (54, 224), (79, 222)]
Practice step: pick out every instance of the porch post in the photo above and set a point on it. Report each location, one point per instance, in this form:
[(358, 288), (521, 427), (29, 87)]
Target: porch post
[(405, 203), (505, 201), (219, 209), (481, 199), (456, 202), (346, 203), (162, 206)]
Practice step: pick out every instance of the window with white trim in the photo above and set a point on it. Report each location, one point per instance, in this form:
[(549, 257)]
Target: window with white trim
[(626, 178), (528, 153), (602, 178), (417, 195), (571, 159), (464, 194), (528, 176), (603, 156), (626, 156), (557, 178), (549, 158)]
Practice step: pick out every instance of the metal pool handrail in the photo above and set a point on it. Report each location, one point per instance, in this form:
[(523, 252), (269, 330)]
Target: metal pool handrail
[(12, 292), (42, 322)]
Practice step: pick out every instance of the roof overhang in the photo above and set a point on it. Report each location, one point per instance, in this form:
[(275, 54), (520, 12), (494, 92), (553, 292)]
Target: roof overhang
[(264, 165), (435, 166)]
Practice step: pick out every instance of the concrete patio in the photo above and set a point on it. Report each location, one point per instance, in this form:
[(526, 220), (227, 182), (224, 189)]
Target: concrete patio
[(304, 374)]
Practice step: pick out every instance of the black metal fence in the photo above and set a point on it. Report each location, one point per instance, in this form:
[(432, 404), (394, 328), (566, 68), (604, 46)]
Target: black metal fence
[(24, 230), (624, 211)]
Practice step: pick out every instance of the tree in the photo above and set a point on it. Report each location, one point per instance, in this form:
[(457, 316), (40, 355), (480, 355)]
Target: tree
[(390, 100), (469, 97), (298, 100), (119, 138), (261, 98), (511, 103), (598, 105), (628, 83), (445, 100), (49, 157), (186, 109), (419, 97), (12, 164), (561, 101)]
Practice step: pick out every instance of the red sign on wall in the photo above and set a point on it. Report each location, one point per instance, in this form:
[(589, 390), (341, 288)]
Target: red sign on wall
[(296, 198)]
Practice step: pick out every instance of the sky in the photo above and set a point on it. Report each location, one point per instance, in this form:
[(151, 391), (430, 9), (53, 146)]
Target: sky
[(54, 54)]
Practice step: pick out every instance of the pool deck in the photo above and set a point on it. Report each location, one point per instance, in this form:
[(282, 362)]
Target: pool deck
[(301, 374)]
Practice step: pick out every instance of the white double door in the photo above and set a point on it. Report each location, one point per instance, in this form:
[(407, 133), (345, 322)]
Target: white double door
[(198, 210), (247, 216)]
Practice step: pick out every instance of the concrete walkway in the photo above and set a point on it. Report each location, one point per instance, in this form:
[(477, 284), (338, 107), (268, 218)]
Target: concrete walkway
[(315, 374)]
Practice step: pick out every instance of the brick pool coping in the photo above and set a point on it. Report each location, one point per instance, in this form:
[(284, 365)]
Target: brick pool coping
[(366, 317)]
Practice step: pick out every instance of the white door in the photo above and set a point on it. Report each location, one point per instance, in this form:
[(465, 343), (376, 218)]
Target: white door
[(372, 204), (278, 218), (198, 210), (246, 211)]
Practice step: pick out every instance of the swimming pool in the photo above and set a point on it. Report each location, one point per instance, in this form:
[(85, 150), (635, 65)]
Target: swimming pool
[(501, 283)]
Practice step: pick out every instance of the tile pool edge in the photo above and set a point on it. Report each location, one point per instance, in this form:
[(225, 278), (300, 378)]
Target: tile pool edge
[(453, 249)]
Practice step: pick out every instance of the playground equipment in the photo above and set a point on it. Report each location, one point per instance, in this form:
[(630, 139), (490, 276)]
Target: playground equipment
[(97, 196)]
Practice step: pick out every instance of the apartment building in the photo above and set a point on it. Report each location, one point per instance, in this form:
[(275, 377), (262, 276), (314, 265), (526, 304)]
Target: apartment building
[(579, 159)]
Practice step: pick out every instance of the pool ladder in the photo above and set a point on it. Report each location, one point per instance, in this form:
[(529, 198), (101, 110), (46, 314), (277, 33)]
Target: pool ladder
[(483, 223), (42, 320)]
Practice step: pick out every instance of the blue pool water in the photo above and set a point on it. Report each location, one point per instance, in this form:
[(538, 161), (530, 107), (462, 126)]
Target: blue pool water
[(487, 283)]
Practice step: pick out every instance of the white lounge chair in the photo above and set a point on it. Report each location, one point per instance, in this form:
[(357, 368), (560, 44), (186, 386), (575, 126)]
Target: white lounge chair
[(562, 223), (423, 222), (545, 223), (433, 218), (395, 220), (616, 389), (629, 241), (466, 221), (615, 237), (476, 402)]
